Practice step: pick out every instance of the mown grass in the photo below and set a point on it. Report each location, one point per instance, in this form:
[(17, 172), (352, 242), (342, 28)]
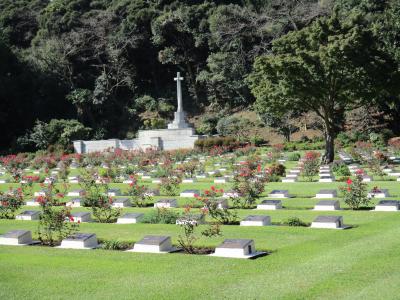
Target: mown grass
[(304, 263)]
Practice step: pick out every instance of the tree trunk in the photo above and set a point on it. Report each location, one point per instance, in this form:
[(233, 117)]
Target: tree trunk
[(329, 154)]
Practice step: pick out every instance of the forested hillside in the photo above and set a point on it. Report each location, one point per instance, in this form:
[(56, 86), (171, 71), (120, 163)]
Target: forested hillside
[(101, 69)]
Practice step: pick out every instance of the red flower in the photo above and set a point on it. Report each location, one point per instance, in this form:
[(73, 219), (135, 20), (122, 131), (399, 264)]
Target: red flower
[(213, 188), (349, 181), (79, 221), (349, 189), (259, 168), (71, 218), (359, 172), (206, 192)]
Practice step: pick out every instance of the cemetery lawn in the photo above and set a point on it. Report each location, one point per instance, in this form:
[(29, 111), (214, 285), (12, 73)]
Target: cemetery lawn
[(305, 263)]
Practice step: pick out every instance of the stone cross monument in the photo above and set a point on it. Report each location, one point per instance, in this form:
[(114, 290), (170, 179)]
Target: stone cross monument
[(179, 135), (179, 116)]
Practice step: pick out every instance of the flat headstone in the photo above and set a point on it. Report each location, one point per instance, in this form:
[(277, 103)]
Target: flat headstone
[(154, 244), (16, 238), (279, 194), (327, 205), (388, 205), (76, 202), (121, 202), (380, 193), (80, 241), (166, 203), (76, 193), (328, 222), (130, 218), (114, 192), (326, 194), (195, 219), (256, 220), (270, 205), (32, 202), (81, 216), (189, 193), (237, 248), (28, 215)]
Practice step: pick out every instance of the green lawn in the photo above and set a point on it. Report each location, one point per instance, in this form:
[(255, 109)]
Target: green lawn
[(359, 263)]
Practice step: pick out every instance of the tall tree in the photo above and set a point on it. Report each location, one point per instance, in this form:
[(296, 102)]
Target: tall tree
[(329, 67)]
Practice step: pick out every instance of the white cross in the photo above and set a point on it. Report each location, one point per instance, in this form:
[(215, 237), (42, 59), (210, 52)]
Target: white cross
[(178, 80)]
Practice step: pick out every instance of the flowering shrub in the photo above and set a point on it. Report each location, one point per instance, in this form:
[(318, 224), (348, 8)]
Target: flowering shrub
[(54, 223), (189, 168), (138, 193), (394, 145), (169, 186), (249, 183), (189, 223), (311, 164), (355, 192), (11, 162), (211, 207), (275, 153), (274, 172), (16, 174), (188, 238), (10, 202), (27, 185), (97, 199)]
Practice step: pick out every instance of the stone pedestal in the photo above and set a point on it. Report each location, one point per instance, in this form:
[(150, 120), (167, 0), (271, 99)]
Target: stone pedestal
[(179, 121)]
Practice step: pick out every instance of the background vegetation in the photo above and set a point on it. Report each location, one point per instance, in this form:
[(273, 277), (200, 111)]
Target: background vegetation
[(108, 65)]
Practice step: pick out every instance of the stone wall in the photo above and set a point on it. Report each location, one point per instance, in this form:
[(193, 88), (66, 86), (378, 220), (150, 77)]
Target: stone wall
[(163, 139)]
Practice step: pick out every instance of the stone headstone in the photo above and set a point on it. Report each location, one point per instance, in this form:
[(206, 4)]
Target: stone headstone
[(328, 222), (166, 203), (154, 244), (256, 220), (130, 218), (16, 238), (28, 215), (270, 205), (237, 248), (80, 241), (388, 205), (327, 205)]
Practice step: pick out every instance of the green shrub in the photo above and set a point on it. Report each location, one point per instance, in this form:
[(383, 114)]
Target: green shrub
[(209, 143), (341, 169), (161, 216), (295, 156), (58, 133), (294, 221), (114, 245)]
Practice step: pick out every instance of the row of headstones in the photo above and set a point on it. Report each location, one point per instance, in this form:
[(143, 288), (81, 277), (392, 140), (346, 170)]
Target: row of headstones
[(324, 205), (169, 203), (127, 180), (232, 248), (366, 178), (325, 174)]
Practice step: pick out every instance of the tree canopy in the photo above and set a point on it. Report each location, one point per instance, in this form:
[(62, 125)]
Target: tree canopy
[(329, 67)]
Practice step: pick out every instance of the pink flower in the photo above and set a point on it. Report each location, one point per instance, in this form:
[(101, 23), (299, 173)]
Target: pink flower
[(349, 181)]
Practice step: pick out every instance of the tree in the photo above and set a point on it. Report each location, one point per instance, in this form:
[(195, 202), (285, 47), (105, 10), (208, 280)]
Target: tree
[(329, 67), (285, 124), (182, 35), (56, 132)]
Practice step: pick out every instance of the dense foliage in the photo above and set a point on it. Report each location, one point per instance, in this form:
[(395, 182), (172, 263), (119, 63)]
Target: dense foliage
[(104, 69)]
